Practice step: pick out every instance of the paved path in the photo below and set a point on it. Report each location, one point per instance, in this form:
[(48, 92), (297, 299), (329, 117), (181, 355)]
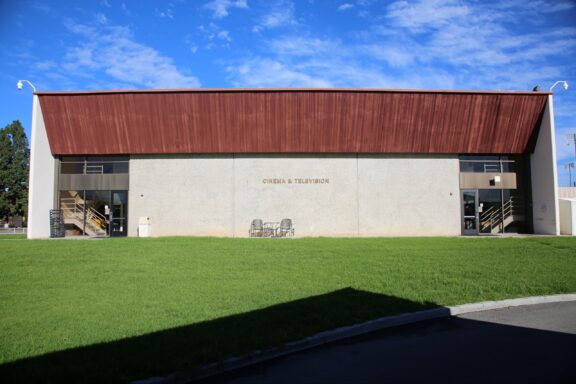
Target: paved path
[(530, 344)]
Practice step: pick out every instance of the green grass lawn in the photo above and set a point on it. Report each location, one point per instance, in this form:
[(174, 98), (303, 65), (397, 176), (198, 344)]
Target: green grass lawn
[(124, 309), (12, 236)]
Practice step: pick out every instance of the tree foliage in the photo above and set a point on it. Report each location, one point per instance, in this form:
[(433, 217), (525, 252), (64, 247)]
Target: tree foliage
[(14, 163)]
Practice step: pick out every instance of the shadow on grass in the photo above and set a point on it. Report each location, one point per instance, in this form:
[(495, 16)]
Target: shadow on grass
[(185, 348)]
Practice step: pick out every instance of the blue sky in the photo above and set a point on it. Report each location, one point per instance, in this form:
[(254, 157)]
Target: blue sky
[(434, 44)]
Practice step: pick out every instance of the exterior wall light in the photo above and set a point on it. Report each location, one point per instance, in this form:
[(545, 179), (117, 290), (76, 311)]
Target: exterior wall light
[(20, 84), (564, 85)]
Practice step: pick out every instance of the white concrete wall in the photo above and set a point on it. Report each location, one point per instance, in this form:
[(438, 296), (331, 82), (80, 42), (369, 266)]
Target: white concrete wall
[(544, 177), (182, 194), (321, 209), (567, 216), (42, 177), (409, 195), (324, 195)]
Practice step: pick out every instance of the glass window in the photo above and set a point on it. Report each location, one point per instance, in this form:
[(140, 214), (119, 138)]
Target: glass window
[(72, 165), (73, 168), (489, 163), (512, 163), (72, 206), (92, 213), (72, 158), (515, 211), (490, 201), (80, 165)]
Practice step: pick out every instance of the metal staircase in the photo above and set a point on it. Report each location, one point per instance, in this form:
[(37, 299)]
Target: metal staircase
[(495, 220), (74, 213)]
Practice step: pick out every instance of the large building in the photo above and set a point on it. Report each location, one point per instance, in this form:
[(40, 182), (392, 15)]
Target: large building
[(337, 162)]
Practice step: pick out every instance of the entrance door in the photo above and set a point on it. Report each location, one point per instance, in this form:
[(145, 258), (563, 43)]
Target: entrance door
[(119, 213), (469, 212)]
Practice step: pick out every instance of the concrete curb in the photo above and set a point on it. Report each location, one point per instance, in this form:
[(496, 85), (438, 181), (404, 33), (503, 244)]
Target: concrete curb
[(489, 305), (347, 332)]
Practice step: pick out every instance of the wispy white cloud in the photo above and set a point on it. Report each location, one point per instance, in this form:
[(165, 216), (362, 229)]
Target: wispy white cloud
[(345, 6), (423, 14), (213, 35), (311, 62), (113, 51), (450, 45), (126, 10), (480, 42), (45, 65), (532, 6), (395, 55), (101, 18), (263, 72), (302, 46), (556, 7), (221, 8), (224, 35), (281, 14), (165, 14), (191, 43)]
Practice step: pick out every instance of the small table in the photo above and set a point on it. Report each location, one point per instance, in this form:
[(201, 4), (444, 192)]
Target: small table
[(270, 229)]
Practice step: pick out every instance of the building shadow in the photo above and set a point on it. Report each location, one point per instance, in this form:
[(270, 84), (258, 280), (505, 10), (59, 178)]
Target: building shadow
[(446, 350), (185, 348)]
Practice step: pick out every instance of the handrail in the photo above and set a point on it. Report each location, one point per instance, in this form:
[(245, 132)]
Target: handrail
[(494, 216), (487, 161), (96, 218), (488, 166), (92, 216), (92, 166), (127, 161)]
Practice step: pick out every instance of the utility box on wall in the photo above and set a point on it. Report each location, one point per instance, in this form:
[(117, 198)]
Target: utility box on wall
[(144, 227), (568, 216)]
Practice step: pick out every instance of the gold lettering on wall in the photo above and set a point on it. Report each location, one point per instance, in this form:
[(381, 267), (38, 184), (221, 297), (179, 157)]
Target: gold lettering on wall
[(297, 180)]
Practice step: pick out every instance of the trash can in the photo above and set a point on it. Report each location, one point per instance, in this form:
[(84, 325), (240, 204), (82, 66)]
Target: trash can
[(144, 227), (57, 228)]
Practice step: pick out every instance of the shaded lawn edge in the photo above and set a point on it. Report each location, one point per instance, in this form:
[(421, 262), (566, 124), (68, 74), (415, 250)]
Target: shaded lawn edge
[(185, 349)]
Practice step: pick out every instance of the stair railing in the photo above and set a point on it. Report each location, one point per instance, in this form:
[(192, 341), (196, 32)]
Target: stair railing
[(74, 210), (492, 217), (489, 218), (96, 218), (71, 207)]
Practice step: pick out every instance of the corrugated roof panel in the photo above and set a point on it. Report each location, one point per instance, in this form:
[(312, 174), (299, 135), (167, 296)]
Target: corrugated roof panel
[(290, 121)]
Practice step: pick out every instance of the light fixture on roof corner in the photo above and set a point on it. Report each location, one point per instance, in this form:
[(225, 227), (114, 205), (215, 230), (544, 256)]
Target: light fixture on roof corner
[(564, 85), (20, 84)]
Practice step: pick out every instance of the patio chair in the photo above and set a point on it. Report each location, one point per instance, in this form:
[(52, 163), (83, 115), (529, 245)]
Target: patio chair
[(286, 228), (256, 228)]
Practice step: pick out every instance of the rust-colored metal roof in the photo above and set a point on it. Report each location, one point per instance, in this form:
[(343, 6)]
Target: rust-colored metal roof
[(290, 121)]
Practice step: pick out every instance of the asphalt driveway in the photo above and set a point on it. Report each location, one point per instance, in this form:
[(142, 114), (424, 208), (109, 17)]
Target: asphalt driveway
[(529, 344)]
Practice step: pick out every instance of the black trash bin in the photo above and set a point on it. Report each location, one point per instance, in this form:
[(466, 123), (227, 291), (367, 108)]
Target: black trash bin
[(57, 223)]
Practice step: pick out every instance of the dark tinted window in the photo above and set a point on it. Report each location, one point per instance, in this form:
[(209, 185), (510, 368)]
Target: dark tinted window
[(94, 164), (489, 163)]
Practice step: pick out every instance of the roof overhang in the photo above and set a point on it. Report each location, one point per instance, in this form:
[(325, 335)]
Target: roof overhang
[(291, 121)]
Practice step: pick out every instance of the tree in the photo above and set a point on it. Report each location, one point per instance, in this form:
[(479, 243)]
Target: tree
[(14, 164)]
